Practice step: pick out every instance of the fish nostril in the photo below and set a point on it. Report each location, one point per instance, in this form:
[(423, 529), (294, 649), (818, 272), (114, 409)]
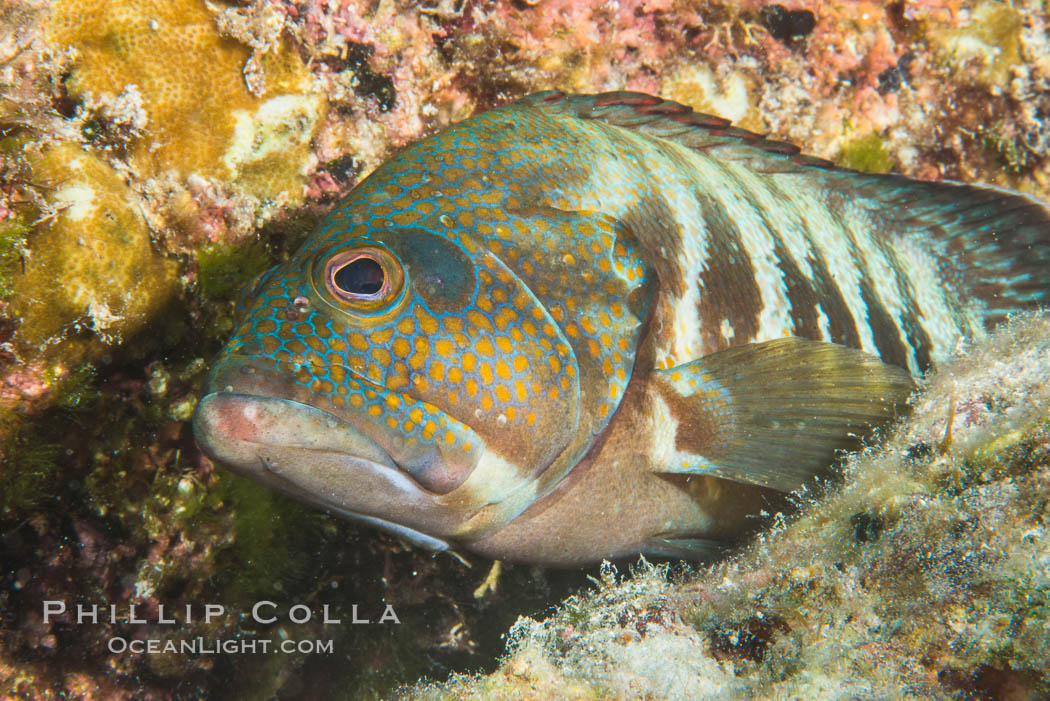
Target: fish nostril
[(249, 347)]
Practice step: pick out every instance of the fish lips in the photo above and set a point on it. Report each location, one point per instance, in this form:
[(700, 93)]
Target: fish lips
[(319, 458)]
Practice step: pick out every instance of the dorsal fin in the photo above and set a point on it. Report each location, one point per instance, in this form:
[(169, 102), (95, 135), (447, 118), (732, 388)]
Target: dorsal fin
[(670, 120)]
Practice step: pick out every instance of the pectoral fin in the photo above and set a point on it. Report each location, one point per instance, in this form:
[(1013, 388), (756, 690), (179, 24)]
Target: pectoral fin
[(776, 413)]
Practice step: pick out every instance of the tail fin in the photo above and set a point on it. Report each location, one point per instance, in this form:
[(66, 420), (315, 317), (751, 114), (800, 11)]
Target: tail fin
[(993, 242)]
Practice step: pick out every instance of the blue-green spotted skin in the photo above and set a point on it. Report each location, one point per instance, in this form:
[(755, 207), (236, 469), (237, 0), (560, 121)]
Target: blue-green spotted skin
[(580, 327)]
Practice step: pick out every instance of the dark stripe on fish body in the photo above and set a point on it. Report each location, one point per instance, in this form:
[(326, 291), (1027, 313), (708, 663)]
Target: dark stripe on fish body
[(728, 288), (884, 331), (800, 294), (919, 340), (914, 333), (842, 327)]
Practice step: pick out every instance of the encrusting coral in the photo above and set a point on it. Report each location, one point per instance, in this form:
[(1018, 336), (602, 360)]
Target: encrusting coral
[(90, 264), (213, 107)]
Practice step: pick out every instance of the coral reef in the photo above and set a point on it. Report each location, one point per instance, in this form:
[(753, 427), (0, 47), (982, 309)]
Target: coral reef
[(90, 263), (155, 156), (926, 574), (214, 107)]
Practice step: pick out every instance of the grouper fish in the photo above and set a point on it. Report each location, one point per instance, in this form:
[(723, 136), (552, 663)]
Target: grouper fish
[(582, 327)]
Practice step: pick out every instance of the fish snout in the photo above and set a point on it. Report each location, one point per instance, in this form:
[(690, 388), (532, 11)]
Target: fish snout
[(319, 458)]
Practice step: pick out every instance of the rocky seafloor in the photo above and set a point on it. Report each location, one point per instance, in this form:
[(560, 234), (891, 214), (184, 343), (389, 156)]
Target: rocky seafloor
[(155, 156)]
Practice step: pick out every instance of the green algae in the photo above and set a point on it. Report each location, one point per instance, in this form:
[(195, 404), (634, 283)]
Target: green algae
[(270, 551), (31, 470), (32, 474), (390, 657), (223, 271), (75, 389), (868, 154), (1009, 148), (13, 234), (262, 538)]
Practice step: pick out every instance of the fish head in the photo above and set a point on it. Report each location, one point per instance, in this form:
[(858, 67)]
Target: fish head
[(400, 376)]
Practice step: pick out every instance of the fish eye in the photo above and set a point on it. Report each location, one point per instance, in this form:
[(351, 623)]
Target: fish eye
[(366, 278), (361, 277)]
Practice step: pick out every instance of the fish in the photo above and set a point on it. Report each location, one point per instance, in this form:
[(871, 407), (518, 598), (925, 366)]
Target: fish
[(581, 327)]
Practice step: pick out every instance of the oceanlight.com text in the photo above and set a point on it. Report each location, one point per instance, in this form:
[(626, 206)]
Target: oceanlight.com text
[(201, 646)]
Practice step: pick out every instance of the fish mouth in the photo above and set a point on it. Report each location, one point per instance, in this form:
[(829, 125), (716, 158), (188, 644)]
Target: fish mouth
[(253, 420)]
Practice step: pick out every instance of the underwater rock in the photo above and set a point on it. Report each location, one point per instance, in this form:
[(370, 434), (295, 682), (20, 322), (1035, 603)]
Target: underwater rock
[(988, 47)]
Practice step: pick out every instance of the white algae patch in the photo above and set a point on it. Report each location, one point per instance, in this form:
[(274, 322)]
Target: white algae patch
[(924, 574)]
